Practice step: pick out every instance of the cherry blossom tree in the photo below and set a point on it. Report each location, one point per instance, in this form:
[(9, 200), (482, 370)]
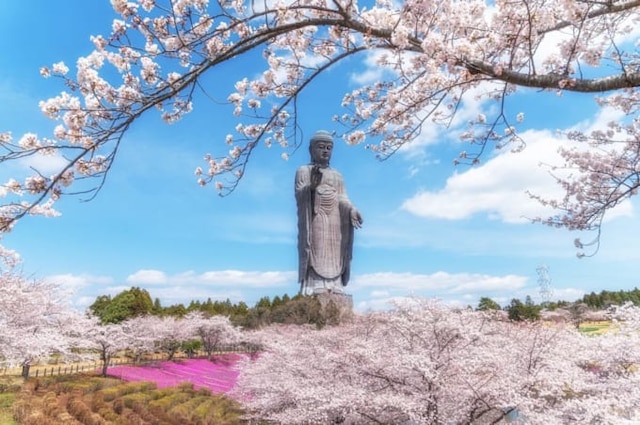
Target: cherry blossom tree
[(145, 334), (214, 331), (623, 356), (432, 58), (170, 333), (105, 340), (35, 319), (425, 363), (140, 334)]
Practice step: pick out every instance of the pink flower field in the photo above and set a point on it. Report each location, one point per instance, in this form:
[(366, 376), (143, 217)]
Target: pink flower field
[(218, 375)]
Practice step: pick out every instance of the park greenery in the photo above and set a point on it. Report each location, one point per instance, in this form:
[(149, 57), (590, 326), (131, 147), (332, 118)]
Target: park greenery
[(283, 309), (298, 309)]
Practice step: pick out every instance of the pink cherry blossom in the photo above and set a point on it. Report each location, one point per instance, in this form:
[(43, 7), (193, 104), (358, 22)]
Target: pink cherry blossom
[(425, 363)]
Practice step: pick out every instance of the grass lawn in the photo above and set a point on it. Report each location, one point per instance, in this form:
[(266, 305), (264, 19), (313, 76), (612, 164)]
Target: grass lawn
[(595, 328), (6, 413)]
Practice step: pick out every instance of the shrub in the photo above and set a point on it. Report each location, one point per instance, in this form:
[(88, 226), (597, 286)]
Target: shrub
[(50, 404), (203, 408), (10, 384), (189, 407), (166, 403), (131, 417), (118, 406), (21, 409), (130, 400), (222, 411), (205, 392), (82, 383), (66, 419), (77, 407), (111, 393), (38, 418), (140, 407), (163, 416), (97, 402), (108, 414), (185, 386)]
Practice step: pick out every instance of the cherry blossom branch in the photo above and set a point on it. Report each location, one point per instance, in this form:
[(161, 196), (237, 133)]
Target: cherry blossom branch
[(433, 57)]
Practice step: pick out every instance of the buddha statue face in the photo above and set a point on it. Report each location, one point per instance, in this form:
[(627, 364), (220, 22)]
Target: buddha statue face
[(321, 148), (321, 152)]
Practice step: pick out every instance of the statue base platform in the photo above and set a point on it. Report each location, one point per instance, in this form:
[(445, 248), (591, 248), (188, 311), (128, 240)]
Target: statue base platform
[(337, 307)]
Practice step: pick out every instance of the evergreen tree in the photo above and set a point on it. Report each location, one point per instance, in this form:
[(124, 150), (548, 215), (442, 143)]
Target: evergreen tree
[(487, 303)]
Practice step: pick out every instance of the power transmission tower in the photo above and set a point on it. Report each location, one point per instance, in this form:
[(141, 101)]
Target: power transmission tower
[(544, 281)]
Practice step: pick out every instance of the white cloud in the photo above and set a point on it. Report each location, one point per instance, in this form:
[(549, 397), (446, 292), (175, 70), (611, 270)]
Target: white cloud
[(377, 304), (497, 188), (148, 277), (373, 72), (83, 303), (222, 278), (249, 278), (114, 290), (442, 282), (185, 294), (566, 294), (76, 282), (184, 287), (386, 303), (45, 164), (379, 293)]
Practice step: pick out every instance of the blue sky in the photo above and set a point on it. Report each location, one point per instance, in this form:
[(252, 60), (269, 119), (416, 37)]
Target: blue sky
[(430, 229)]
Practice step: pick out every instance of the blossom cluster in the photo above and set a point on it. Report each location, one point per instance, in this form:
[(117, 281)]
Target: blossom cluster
[(426, 363)]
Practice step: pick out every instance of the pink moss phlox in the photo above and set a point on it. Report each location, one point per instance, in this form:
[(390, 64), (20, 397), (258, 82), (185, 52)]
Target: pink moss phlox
[(218, 374)]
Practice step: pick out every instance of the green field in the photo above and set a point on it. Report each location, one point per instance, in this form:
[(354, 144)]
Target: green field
[(595, 328), (6, 403)]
